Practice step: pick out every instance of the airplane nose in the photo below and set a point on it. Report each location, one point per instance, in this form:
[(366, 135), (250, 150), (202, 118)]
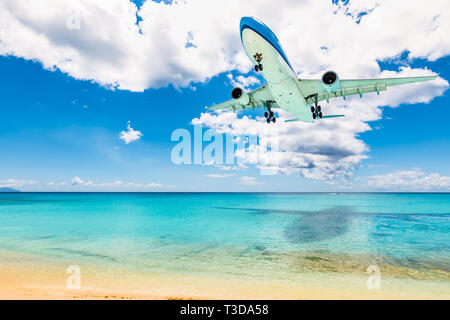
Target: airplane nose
[(246, 21)]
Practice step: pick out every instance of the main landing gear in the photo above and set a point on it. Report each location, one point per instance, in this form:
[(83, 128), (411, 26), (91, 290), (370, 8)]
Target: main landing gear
[(258, 58), (316, 110), (270, 117)]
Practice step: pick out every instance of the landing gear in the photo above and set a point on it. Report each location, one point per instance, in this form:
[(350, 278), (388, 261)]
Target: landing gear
[(270, 117), (258, 59), (316, 110)]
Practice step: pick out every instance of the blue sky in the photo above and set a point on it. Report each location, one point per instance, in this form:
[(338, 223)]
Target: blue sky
[(54, 128)]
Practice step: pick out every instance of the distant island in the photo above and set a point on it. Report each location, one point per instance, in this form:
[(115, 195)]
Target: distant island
[(8, 190)]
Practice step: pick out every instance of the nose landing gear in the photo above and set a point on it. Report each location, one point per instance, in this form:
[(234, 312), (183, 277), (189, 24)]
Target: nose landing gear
[(258, 67), (258, 58)]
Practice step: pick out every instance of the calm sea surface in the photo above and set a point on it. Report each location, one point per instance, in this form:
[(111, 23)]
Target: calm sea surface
[(238, 234)]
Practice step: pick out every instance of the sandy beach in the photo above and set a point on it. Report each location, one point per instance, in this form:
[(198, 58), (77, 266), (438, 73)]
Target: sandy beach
[(30, 277)]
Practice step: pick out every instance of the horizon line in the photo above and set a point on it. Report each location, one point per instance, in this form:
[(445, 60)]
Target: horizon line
[(237, 192)]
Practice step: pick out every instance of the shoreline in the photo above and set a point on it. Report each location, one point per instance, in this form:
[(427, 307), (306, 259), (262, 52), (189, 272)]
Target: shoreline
[(34, 278)]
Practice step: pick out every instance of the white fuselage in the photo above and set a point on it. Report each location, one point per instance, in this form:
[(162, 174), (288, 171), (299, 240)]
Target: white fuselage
[(281, 79)]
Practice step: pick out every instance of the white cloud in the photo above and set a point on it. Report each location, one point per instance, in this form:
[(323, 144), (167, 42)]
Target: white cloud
[(117, 183), (241, 81), (120, 183), (415, 179), (219, 176), (153, 185), (76, 181), (251, 181), (56, 183), (130, 135), (143, 185), (15, 183), (192, 41)]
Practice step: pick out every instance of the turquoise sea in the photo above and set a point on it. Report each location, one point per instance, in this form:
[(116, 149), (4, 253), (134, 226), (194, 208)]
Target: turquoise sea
[(230, 234)]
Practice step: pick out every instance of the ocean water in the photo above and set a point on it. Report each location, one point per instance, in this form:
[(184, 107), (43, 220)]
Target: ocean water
[(248, 235)]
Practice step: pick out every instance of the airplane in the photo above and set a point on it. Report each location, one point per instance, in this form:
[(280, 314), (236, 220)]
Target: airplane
[(284, 89)]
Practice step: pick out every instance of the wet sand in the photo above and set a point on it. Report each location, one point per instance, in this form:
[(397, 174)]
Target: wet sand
[(315, 275)]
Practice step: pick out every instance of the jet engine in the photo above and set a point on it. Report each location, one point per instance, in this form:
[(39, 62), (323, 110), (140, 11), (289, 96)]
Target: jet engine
[(330, 81), (240, 95)]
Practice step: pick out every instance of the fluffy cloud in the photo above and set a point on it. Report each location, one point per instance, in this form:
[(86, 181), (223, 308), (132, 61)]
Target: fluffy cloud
[(76, 181), (242, 81), (130, 135), (321, 150), (191, 41), (415, 179)]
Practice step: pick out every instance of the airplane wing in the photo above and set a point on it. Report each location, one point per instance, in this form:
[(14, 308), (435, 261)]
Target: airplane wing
[(311, 88), (258, 97)]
